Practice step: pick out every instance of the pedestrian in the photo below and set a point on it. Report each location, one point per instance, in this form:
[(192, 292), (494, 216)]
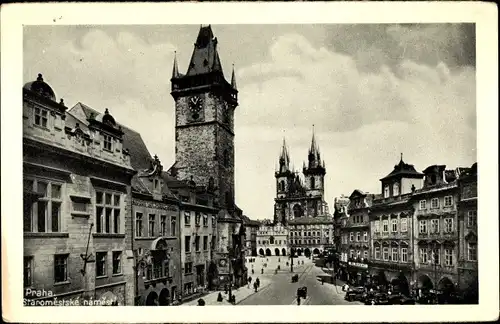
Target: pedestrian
[(253, 271), (298, 300), (255, 286), (258, 282), (219, 298), (201, 302), (262, 271), (322, 280), (279, 260), (225, 288)]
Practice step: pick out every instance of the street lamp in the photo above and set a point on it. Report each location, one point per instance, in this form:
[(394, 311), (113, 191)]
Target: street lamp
[(292, 254)]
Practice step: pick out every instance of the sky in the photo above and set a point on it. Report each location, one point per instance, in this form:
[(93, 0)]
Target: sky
[(372, 92)]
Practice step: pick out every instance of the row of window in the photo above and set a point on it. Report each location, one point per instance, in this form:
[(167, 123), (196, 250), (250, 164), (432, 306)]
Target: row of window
[(357, 254), (197, 246), (317, 233), (433, 256), (394, 256), (271, 242), (309, 241), (199, 218), (448, 202), (355, 237), (306, 227), (357, 219), (41, 118), (151, 229), (44, 215), (403, 225), (60, 273), (424, 227)]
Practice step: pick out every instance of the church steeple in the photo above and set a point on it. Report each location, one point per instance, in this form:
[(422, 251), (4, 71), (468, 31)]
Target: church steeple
[(284, 161), (314, 156), (175, 69), (233, 80)]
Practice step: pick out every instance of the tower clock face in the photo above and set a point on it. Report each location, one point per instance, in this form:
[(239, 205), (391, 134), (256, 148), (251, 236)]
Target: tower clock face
[(195, 106)]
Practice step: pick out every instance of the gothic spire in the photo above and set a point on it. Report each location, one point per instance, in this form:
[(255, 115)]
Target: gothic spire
[(233, 80), (284, 160), (175, 69), (314, 155)]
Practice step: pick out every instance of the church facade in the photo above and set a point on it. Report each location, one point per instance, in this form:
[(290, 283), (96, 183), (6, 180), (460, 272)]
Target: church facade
[(300, 203)]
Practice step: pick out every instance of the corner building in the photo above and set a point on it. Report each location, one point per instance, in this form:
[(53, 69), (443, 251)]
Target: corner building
[(77, 201), (204, 150), (391, 229)]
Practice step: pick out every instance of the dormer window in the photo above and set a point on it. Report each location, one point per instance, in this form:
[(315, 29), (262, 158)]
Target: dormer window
[(156, 183), (107, 142), (41, 117), (386, 192), (395, 189)]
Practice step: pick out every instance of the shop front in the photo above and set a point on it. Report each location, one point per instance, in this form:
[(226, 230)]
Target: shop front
[(357, 273)]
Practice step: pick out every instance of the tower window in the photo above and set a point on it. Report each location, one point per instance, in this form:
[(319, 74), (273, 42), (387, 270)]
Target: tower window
[(282, 185), (313, 183)]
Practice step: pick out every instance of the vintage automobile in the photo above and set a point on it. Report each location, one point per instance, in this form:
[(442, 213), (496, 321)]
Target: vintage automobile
[(356, 293), (295, 278), (302, 292)]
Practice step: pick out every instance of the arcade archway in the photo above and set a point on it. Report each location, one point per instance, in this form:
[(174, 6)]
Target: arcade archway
[(316, 251), (261, 251), (381, 278), (299, 252), (277, 252), (446, 285), (164, 299), (283, 251), (152, 299), (400, 283), (268, 252), (425, 283), (307, 252)]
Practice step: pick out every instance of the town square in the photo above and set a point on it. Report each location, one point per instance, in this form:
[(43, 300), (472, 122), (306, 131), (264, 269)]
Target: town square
[(250, 165)]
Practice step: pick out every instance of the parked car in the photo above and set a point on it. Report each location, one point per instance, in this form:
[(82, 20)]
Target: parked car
[(356, 293), (302, 292), (377, 298)]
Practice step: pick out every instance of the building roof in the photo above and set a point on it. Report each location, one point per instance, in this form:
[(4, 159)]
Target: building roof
[(403, 169), (132, 140), (310, 220), (205, 58), (41, 87)]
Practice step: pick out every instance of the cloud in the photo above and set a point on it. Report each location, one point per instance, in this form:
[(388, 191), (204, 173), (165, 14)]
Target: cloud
[(363, 119), (377, 45)]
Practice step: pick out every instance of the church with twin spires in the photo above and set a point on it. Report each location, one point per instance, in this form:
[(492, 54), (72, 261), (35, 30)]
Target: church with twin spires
[(300, 204)]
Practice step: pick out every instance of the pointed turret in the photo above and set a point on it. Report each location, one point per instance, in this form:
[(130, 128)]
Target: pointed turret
[(175, 69), (233, 80)]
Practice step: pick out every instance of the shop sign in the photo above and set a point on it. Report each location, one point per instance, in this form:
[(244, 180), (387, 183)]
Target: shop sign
[(359, 265)]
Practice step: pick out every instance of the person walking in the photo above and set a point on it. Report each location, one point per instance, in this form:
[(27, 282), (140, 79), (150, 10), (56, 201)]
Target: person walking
[(255, 286), (257, 282), (298, 300)]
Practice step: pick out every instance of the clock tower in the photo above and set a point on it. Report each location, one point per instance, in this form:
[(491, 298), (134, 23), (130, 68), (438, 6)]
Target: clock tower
[(204, 120)]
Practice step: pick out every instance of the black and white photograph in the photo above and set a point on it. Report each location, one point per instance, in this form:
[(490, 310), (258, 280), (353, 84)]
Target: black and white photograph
[(213, 163)]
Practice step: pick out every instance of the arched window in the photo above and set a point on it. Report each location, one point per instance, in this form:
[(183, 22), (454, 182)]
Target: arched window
[(282, 185), (271, 240), (313, 182), (298, 211), (226, 158)]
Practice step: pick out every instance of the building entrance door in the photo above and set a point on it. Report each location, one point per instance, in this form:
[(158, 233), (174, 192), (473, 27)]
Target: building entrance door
[(200, 275)]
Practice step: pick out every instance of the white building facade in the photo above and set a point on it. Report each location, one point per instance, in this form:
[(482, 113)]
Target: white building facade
[(272, 240)]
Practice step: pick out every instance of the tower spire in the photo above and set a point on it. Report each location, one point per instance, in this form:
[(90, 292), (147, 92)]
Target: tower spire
[(175, 69), (284, 157), (233, 80)]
